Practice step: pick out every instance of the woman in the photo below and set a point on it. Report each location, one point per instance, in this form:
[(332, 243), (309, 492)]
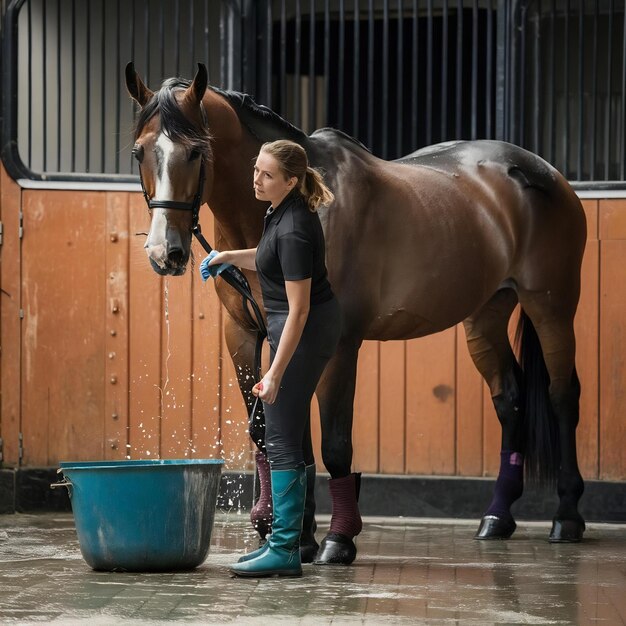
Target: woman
[(303, 322)]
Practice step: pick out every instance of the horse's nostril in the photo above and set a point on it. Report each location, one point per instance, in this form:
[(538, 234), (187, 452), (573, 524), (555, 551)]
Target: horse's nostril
[(175, 255)]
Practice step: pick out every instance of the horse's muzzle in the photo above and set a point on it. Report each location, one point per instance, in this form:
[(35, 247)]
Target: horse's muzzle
[(169, 269)]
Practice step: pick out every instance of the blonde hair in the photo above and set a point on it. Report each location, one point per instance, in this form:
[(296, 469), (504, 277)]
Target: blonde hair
[(293, 162)]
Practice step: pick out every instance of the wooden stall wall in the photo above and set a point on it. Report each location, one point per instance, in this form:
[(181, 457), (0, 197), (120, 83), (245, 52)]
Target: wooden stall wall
[(112, 361)]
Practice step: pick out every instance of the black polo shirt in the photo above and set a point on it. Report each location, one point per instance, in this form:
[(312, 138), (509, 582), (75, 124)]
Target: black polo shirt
[(291, 248)]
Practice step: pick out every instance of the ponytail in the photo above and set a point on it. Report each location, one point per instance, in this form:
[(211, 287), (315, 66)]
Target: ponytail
[(314, 190)]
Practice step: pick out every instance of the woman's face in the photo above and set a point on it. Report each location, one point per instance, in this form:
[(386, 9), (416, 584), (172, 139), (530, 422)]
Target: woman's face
[(270, 183)]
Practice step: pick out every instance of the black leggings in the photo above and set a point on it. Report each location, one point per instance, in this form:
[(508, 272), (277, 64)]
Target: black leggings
[(287, 421)]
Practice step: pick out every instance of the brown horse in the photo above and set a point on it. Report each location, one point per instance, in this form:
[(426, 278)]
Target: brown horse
[(461, 231)]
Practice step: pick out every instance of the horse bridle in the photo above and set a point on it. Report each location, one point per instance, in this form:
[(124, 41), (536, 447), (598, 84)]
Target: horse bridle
[(232, 275), (193, 206)]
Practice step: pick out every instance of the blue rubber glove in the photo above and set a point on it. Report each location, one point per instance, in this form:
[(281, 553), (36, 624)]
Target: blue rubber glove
[(207, 270)]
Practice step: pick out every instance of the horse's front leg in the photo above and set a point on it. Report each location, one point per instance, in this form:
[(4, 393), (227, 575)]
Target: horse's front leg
[(335, 394)]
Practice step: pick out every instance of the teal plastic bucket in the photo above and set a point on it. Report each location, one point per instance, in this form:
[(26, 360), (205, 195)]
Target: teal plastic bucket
[(148, 515)]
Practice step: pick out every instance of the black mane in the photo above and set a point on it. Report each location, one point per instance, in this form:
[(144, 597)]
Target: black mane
[(261, 121), (173, 121)]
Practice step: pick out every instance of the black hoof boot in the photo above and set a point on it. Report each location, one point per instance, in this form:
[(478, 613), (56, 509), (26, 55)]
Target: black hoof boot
[(336, 549), (493, 527), (308, 550), (567, 531)]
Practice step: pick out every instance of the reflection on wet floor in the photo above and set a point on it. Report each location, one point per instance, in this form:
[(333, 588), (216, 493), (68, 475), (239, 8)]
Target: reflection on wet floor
[(408, 571)]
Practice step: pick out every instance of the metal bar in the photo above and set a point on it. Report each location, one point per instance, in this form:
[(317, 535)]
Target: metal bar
[(44, 85), (566, 112), (298, 52), (192, 38), (327, 61), (501, 73), (118, 62), (537, 79), (357, 69), (103, 88), (519, 96), (594, 95), (489, 75), (206, 36), (133, 56), (399, 82), (623, 120), (581, 89), (429, 73), (283, 58), (73, 81), (162, 42), (607, 113), (268, 53), (29, 22), (88, 91), (312, 80), (341, 65), (370, 74), (474, 69), (177, 38), (414, 74), (146, 32), (551, 105), (459, 69), (444, 71), (385, 69), (59, 85)]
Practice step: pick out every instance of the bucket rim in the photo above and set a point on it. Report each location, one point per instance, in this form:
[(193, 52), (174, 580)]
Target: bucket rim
[(137, 463)]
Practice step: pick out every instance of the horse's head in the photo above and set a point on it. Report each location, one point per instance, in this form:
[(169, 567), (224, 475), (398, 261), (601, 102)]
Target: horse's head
[(173, 149)]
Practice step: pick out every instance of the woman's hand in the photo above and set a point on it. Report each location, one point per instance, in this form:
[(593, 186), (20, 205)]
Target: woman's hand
[(267, 389), (221, 257)]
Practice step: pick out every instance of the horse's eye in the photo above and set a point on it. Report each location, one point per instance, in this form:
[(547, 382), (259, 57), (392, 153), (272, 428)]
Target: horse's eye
[(193, 155), (137, 152)]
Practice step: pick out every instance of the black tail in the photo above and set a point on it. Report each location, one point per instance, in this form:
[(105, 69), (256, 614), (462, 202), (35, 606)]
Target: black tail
[(541, 431)]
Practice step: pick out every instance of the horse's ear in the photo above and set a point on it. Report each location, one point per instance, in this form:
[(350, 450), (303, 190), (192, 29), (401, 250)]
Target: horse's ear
[(198, 87), (138, 91)]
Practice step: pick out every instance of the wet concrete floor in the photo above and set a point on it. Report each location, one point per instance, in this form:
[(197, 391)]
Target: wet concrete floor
[(408, 571)]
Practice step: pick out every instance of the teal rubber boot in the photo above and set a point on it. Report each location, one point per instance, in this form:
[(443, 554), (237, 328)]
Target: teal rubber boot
[(282, 555), (308, 545)]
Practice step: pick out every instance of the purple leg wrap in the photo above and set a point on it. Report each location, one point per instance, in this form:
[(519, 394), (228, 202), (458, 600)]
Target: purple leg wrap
[(261, 513), (509, 486), (346, 519)]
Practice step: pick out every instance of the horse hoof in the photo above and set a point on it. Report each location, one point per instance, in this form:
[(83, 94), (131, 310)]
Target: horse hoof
[(308, 551), (566, 531), (492, 527), (336, 549)]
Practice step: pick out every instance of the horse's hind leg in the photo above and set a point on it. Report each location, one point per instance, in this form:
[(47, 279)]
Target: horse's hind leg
[(335, 394), (489, 346), (552, 315)]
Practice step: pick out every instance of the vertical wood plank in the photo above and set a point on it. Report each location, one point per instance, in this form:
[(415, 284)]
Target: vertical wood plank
[(392, 394), (63, 255), (431, 404), (469, 411), (145, 310), (366, 413), (587, 357), (116, 321), (10, 322), (612, 339)]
